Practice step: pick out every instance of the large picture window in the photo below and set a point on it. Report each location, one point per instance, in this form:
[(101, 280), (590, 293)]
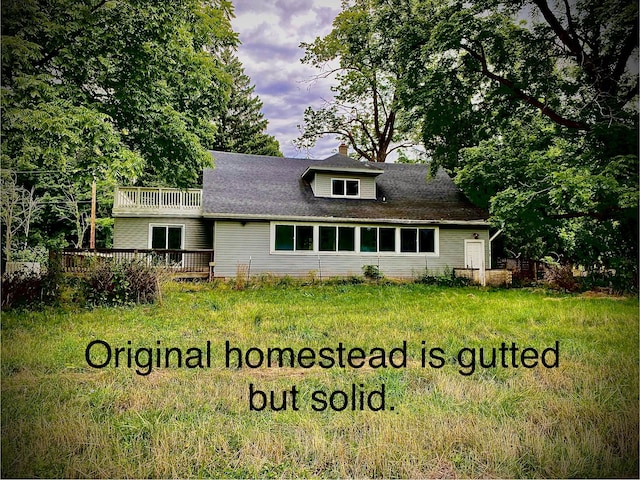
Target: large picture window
[(311, 238)]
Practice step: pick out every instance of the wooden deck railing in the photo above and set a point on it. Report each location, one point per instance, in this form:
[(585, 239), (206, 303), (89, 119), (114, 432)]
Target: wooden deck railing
[(176, 261), (149, 198)]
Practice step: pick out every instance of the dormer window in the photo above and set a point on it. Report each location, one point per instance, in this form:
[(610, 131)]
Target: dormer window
[(345, 187)]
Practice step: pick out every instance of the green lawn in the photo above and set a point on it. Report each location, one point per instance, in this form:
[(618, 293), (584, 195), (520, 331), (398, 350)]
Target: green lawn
[(61, 417)]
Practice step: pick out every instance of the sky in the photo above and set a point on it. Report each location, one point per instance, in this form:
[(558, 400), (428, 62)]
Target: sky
[(270, 34)]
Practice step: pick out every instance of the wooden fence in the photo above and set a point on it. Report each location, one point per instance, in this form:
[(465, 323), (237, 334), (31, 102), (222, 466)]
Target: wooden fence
[(176, 261)]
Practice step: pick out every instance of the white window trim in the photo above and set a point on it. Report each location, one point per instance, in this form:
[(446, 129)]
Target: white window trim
[(316, 240), (166, 226), (345, 187)]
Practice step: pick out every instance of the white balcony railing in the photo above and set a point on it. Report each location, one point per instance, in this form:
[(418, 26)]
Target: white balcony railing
[(157, 199)]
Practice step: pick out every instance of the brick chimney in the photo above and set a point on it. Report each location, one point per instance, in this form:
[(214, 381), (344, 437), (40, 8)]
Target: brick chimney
[(343, 149)]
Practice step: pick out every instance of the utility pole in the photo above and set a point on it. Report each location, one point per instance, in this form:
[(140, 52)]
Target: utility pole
[(92, 238)]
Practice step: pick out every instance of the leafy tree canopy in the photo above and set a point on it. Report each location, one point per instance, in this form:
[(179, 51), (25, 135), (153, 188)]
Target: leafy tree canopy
[(118, 90), (145, 69), (531, 105), (365, 111), (538, 119)]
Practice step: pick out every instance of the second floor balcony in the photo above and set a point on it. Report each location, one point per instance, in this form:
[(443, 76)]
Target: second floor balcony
[(157, 200)]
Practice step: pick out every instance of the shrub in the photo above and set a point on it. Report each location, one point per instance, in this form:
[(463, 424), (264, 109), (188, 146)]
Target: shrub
[(560, 277), (619, 281), (372, 272), (30, 289), (20, 289), (445, 279), (121, 283)]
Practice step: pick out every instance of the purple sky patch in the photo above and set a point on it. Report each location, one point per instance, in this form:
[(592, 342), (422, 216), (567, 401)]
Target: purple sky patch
[(270, 35)]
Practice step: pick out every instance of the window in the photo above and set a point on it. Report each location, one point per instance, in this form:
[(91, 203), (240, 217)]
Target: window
[(352, 187), (167, 237), (289, 236), (304, 237), (343, 238), (327, 239), (426, 240), (322, 238), (337, 188), (408, 241), (284, 237), (387, 239), (374, 239), (421, 240), (343, 187), (346, 239), (368, 239)]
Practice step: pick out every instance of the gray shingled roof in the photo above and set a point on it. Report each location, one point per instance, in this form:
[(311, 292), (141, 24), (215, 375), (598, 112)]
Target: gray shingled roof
[(341, 163), (257, 186)]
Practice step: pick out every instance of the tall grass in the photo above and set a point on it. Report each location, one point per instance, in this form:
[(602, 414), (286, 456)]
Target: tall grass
[(61, 417)]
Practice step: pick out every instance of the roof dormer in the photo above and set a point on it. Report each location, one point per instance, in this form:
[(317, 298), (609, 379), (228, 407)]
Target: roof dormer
[(340, 176)]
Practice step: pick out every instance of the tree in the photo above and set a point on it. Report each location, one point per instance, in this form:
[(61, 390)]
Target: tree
[(532, 106), (364, 111), (511, 59), (125, 90), (241, 124), (155, 76), (18, 206)]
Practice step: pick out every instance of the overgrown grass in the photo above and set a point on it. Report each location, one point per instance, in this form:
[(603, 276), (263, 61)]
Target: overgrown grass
[(62, 418)]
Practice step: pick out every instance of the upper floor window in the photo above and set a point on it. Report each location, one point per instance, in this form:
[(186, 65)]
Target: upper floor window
[(345, 187)]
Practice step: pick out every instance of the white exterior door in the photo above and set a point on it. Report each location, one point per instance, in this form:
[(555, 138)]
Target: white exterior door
[(474, 257)]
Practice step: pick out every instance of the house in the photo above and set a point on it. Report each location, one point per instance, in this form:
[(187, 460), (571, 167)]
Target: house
[(291, 216)]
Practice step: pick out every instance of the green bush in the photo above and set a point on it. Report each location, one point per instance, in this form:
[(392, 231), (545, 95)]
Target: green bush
[(372, 272), (121, 283), (445, 279)]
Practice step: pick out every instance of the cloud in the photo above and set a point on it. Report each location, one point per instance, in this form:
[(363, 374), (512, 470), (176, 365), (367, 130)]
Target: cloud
[(270, 35)]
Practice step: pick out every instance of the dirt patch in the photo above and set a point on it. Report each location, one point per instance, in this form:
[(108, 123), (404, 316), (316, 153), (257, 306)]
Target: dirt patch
[(604, 293)]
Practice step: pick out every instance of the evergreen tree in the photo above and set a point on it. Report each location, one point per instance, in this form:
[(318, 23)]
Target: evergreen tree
[(241, 125)]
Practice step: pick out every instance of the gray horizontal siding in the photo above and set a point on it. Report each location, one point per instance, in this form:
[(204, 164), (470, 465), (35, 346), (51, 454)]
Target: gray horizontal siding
[(134, 232), (322, 184), (237, 246)]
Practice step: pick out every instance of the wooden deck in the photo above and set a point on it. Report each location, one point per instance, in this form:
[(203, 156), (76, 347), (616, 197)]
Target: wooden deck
[(156, 200), (179, 263)]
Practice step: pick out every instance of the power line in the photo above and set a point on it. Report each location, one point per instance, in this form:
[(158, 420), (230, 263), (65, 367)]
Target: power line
[(44, 171)]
